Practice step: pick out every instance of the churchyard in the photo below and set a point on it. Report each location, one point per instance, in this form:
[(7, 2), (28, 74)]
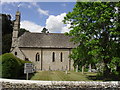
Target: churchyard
[(63, 76)]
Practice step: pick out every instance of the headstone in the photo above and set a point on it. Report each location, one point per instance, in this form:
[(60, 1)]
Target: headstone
[(66, 69), (89, 68), (83, 69), (93, 70), (77, 68)]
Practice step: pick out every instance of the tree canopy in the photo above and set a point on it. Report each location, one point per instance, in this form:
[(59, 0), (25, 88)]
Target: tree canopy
[(22, 31), (95, 28), (7, 29), (45, 30)]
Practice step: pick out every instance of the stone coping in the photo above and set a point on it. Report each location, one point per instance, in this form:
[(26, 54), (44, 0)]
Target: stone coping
[(13, 83)]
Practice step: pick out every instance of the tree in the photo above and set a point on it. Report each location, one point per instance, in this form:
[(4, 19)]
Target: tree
[(7, 28), (95, 28), (22, 31), (6, 24), (45, 30)]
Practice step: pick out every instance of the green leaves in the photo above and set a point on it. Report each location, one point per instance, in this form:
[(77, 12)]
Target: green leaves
[(114, 63), (95, 29), (12, 67)]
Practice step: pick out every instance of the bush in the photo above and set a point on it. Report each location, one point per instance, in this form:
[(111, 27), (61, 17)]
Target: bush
[(12, 67)]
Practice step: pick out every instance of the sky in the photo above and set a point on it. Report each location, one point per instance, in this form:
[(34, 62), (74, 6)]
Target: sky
[(37, 15)]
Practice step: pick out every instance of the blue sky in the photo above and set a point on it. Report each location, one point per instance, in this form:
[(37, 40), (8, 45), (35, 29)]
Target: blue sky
[(36, 15)]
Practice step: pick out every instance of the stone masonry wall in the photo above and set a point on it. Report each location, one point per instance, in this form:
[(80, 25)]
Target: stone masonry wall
[(45, 62), (57, 85)]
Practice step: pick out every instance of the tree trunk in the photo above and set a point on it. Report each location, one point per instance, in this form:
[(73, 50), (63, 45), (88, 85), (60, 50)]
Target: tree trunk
[(106, 71), (118, 69), (105, 51)]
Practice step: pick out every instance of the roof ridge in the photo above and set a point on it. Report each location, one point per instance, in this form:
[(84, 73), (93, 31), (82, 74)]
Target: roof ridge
[(44, 33), (58, 40)]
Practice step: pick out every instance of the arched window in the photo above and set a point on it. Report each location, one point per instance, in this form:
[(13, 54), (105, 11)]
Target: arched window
[(37, 57), (53, 57), (15, 53), (61, 57)]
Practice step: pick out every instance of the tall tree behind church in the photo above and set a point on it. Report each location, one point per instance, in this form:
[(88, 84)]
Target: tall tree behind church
[(7, 27)]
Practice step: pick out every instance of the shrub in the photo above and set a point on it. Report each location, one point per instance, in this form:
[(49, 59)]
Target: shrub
[(12, 67)]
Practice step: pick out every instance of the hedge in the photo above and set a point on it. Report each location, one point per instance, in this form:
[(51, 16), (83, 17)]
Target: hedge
[(12, 67)]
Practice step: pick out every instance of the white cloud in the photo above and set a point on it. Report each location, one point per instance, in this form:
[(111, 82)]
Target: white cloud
[(35, 4), (4, 3), (31, 26), (55, 24), (65, 28), (39, 10), (17, 4), (64, 5), (25, 5), (29, 6), (44, 12), (17, 0), (40, 0)]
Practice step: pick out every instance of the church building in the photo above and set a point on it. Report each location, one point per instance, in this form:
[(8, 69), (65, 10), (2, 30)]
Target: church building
[(47, 51)]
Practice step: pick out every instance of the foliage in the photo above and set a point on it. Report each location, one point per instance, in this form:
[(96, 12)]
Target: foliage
[(6, 24), (95, 29), (45, 30), (6, 43), (12, 67), (7, 27), (22, 31)]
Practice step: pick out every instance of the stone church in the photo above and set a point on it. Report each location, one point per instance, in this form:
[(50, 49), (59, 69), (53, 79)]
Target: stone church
[(47, 51)]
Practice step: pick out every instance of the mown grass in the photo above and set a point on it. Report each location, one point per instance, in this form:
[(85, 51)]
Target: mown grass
[(62, 76)]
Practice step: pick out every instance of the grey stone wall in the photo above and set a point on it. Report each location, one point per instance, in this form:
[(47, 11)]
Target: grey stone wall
[(16, 28), (46, 58), (51, 85)]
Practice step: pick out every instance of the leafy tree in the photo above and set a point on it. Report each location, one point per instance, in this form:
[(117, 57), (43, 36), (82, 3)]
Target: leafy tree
[(45, 30), (6, 43), (22, 31), (6, 24), (95, 28), (7, 27)]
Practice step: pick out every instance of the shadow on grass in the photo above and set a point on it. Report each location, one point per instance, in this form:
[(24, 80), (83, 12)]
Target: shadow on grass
[(23, 77), (95, 78), (110, 77)]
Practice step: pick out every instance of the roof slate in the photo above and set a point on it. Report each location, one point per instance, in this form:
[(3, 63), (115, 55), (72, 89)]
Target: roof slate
[(45, 40)]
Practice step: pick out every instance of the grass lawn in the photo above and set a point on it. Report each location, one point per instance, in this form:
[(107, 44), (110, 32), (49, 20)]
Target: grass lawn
[(62, 76)]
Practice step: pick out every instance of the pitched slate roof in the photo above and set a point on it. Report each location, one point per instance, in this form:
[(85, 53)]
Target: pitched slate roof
[(45, 40)]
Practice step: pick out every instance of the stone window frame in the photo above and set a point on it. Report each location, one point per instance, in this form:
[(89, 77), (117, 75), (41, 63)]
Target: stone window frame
[(61, 57), (15, 53), (37, 58), (53, 57)]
